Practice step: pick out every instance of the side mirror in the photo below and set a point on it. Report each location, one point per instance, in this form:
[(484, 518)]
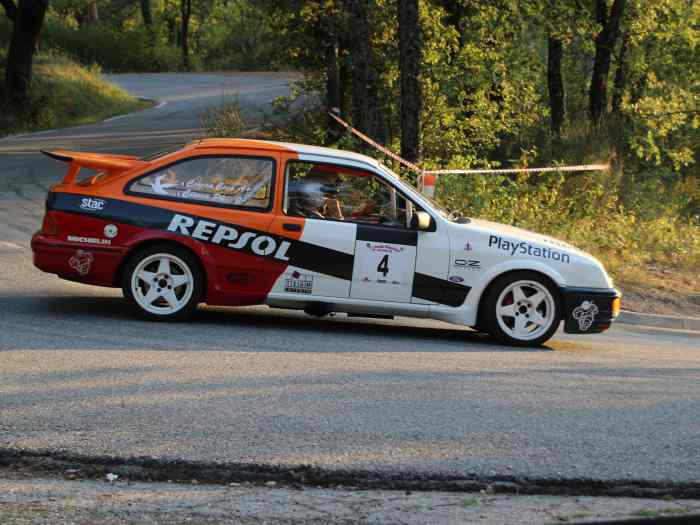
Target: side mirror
[(421, 221)]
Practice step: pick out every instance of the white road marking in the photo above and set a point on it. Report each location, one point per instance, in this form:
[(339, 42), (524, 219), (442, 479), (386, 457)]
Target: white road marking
[(6, 245)]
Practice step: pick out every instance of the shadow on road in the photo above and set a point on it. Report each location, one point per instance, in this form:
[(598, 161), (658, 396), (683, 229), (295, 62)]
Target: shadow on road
[(76, 322)]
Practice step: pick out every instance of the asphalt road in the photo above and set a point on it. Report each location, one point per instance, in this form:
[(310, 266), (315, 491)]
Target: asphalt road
[(256, 385)]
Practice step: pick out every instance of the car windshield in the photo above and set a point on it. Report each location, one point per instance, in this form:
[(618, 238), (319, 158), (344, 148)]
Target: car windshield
[(444, 212)]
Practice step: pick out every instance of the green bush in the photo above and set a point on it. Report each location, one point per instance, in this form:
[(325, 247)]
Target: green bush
[(65, 93), (226, 120), (241, 39), (113, 49), (587, 210)]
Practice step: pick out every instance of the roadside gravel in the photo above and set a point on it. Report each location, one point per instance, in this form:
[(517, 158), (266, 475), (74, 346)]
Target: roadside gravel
[(60, 502)]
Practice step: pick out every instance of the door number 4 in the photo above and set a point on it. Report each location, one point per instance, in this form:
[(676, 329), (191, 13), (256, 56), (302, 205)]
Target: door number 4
[(383, 266)]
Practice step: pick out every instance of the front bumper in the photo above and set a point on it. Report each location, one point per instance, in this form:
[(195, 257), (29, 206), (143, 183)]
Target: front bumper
[(589, 310)]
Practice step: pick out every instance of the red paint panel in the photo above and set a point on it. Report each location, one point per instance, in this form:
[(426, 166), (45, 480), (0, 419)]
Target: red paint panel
[(233, 277)]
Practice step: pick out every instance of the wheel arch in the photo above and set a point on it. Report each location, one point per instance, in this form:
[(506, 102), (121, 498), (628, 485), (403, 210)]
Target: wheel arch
[(554, 277), (161, 241)]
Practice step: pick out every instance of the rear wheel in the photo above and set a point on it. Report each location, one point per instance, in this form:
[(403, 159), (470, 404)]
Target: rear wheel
[(523, 308), (163, 283)]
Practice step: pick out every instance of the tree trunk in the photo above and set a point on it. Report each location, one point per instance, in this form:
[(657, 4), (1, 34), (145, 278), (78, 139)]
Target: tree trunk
[(333, 100), (621, 75), (555, 85), (604, 45), (410, 56), (92, 15), (185, 11), (344, 77), (375, 103), (146, 13), (173, 31), (330, 55), (28, 19), (359, 52)]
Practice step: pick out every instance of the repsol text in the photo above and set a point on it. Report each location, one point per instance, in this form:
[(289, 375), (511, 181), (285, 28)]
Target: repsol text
[(230, 237)]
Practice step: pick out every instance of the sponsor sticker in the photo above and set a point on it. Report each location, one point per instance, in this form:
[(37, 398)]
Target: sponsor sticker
[(90, 204), (81, 262), (525, 248), (470, 264), (88, 240), (160, 187), (111, 231), (585, 315), (384, 248), (299, 283), (229, 237), (455, 279)]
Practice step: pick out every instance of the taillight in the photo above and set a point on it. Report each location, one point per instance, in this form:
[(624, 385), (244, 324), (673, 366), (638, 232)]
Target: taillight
[(49, 226)]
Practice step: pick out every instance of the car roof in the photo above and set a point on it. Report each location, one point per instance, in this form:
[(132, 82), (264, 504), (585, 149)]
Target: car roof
[(302, 149)]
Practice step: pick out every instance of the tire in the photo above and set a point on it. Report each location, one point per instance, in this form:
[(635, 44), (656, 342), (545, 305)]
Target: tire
[(163, 283), (481, 326), (522, 308)]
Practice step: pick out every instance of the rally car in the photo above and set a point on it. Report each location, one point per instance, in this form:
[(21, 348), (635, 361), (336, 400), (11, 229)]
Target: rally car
[(243, 222)]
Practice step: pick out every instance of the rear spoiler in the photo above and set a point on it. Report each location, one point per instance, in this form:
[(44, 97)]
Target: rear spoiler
[(112, 164)]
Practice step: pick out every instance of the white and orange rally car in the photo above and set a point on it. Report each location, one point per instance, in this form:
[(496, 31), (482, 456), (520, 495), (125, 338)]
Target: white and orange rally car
[(242, 222)]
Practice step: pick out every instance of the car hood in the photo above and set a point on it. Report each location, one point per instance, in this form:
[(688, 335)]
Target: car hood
[(584, 270), (526, 235)]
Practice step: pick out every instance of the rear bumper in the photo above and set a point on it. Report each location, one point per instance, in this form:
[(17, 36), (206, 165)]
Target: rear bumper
[(75, 261), (589, 310)]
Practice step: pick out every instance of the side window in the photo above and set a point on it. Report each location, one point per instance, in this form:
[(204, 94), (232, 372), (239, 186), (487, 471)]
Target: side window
[(223, 181), (327, 191)]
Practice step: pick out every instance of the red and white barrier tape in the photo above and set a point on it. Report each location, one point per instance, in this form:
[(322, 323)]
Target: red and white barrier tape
[(427, 179), (581, 167), (376, 145)]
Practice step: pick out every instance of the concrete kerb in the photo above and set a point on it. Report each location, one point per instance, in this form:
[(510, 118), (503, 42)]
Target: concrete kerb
[(660, 321)]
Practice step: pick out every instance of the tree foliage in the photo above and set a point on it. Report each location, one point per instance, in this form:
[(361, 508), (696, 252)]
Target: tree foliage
[(501, 82)]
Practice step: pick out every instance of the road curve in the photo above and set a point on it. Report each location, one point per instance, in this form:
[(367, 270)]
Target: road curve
[(256, 385)]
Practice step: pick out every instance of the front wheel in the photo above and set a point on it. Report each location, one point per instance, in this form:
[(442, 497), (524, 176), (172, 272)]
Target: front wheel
[(163, 283), (523, 308)]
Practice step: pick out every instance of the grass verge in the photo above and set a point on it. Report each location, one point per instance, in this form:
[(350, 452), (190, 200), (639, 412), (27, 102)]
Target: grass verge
[(65, 93)]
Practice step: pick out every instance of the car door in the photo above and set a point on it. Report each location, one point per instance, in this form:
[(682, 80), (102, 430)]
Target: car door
[(354, 242), (385, 261), (320, 259)]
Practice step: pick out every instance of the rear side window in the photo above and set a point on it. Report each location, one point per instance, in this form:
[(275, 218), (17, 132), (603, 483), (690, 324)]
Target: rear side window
[(240, 182)]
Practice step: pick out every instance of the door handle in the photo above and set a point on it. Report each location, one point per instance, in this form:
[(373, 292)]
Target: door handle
[(291, 227)]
